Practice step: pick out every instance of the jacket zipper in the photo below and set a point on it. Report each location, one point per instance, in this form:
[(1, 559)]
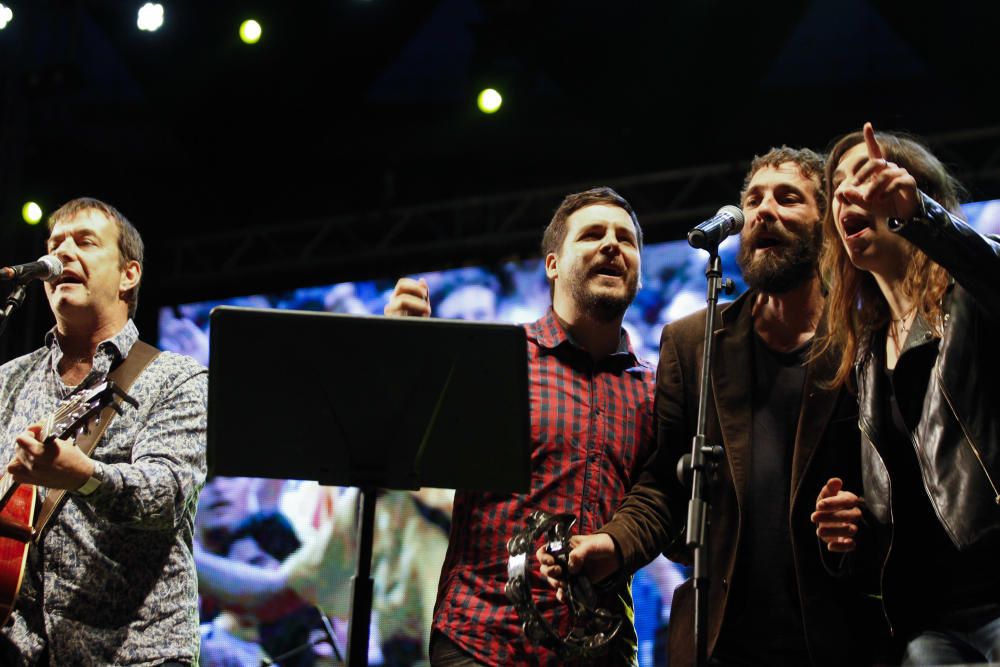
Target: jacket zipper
[(968, 438), (892, 528)]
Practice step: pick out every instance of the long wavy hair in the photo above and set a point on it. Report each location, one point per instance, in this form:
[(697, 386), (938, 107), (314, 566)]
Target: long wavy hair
[(855, 307)]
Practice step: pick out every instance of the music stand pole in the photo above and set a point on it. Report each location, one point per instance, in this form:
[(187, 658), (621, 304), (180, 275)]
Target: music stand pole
[(704, 458), (362, 584)]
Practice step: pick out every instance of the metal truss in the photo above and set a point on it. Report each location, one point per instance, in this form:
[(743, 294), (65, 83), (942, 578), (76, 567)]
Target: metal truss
[(471, 230), (482, 229)]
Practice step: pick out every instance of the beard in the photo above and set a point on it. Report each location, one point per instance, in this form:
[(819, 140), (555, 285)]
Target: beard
[(603, 305), (784, 267)]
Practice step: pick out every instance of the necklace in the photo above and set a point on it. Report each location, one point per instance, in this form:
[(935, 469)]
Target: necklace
[(905, 315), (899, 328)]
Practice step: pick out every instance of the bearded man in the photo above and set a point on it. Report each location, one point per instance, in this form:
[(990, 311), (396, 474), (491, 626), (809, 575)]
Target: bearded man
[(771, 599)]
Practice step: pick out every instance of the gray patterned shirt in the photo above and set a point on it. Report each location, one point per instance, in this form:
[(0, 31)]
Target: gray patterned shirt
[(113, 581)]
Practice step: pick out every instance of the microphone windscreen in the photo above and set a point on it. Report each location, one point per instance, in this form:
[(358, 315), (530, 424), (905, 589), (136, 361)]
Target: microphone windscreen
[(736, 213), (54, 265)]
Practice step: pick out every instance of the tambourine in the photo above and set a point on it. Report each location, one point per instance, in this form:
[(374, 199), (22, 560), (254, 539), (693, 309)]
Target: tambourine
[(593, 627)]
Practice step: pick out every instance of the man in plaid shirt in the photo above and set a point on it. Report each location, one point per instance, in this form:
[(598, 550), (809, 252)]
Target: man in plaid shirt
[(591, 427)]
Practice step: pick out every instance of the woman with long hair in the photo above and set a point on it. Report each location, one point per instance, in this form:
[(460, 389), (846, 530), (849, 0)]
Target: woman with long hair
[(914, 302)]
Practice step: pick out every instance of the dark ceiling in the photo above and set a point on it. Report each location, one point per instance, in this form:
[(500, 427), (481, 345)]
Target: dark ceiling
[(354, 105)]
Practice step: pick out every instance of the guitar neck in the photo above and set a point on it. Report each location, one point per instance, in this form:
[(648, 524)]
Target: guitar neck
[(64, 422), (7, 483)]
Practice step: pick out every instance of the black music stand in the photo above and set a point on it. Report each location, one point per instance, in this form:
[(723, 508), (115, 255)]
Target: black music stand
[(371, 402)]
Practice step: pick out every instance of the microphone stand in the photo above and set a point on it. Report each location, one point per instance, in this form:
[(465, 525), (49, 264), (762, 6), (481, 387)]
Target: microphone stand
[(704, 459), (13, 302)]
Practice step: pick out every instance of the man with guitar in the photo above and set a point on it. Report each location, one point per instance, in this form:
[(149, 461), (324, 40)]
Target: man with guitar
[(109, 578)]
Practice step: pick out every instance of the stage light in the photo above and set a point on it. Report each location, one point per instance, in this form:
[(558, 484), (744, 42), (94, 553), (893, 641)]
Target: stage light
[(6, 16), (32, 213), (489, 100), (150, 17), (250, 31)]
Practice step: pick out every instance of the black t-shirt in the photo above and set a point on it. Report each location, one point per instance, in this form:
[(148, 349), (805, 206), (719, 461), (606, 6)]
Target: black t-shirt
[(763, 623)]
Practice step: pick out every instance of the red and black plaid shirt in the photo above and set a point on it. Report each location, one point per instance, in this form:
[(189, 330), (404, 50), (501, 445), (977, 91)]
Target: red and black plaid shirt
[(591, 431)]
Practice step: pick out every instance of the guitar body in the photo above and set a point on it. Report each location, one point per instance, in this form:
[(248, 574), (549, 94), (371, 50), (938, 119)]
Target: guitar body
[(19, 509)]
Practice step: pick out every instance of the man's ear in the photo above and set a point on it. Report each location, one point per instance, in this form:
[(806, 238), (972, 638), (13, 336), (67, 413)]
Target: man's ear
[(551, 268), (131, 275)]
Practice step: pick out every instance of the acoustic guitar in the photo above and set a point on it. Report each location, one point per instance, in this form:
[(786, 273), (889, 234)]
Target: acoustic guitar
[(18, 502)]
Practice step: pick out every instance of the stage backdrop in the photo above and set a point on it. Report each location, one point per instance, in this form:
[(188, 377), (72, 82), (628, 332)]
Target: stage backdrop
[(306, 532)]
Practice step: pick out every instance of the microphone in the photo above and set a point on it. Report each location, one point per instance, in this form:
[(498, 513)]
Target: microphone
[(712, 232), (46, 267)]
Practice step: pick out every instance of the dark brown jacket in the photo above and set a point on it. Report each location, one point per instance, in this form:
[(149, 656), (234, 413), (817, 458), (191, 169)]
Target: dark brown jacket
[(653, 516)]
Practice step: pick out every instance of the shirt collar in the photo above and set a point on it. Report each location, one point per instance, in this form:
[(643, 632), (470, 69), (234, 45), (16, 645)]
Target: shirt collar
[(549, 333), (109, 351)]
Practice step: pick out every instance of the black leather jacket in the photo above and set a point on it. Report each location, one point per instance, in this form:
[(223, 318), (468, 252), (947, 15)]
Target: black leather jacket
[(957, 440)]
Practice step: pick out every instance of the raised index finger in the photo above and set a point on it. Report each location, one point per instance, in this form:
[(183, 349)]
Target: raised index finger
[(874, 150)]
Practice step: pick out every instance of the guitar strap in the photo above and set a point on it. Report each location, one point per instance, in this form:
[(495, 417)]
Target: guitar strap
[(123, 375)]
